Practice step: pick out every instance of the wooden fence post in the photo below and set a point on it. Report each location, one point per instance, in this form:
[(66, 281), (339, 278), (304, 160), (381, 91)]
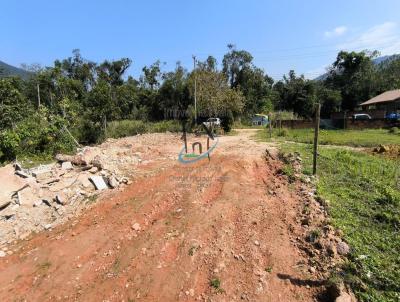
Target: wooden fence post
[(316, 133)]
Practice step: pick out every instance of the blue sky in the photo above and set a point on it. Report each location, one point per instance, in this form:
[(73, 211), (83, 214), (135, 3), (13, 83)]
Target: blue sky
[(281, 35)]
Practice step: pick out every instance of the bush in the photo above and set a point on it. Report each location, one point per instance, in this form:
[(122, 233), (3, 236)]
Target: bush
[(394, 130), (41, 134), (227, 121)]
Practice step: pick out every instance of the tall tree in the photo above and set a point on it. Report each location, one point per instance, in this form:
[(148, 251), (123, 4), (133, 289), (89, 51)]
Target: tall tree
[(354, 74)]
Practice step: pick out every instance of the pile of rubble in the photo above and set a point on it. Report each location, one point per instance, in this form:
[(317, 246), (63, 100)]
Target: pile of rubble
[(39, 198)]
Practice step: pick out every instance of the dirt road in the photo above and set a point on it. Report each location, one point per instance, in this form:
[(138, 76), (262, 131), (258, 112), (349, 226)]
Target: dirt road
[(211, 231)]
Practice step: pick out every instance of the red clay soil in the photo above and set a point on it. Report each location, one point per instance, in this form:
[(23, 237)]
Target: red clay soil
[(210, 231)]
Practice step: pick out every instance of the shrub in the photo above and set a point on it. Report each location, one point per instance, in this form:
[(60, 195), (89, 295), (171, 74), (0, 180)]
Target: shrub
[(394, 130), (41, 134), (227, 121)]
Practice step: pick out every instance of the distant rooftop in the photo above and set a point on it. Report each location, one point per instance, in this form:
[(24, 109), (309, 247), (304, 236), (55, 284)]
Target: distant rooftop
[(387, 96)]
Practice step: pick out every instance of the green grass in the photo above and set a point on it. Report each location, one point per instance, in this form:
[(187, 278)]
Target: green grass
[(364, 195), (356, 138), (117, 129)]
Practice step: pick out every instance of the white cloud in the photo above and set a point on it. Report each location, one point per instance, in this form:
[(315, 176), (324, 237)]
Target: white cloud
[(336, 32), (383, 37)]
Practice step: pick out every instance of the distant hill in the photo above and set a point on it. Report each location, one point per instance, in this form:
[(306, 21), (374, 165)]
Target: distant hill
[(377, 61), (8, 70)]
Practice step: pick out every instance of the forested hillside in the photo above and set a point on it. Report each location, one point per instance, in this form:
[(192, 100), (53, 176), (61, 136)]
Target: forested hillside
[(8, 70)]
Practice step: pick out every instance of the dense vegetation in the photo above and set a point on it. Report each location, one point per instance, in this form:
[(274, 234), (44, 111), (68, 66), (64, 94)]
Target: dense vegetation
[(80, 97)]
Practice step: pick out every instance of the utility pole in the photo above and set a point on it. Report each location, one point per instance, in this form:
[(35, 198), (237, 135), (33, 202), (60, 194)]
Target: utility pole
[(195, 89), (38, 95), (316, 132)]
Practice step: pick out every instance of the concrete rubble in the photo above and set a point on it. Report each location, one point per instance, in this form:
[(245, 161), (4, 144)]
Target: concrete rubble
[(39, 198)]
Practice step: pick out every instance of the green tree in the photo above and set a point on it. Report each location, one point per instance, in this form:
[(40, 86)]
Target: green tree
[(296, 94), (234, 62), (354, 74), (13, 104)]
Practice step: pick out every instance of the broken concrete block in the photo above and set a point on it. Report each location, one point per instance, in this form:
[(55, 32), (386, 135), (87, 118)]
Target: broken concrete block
[(17, 167), (112, 181), (67, 165), (37, 203), (4, 204), (22, 174), (98, 182), (60, 200)]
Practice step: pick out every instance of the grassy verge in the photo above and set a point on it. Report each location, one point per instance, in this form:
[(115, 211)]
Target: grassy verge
[(356, 138), (364, 196)]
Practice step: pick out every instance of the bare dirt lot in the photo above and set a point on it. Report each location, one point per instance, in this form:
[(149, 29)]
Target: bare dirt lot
[(223, 230)]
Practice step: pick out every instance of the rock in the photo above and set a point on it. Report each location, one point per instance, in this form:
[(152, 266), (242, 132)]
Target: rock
[(342, 248), (4, 204), (97, 163), (93, 170), (112, 181), (256, 243), (42, 175), (48, 226), (60, 200), (67, 165), (77, 160), (21, 174), (17, 167), (98, 182), (331, 249), (312, 270), (2, 254), (136, 226), (37, 203)]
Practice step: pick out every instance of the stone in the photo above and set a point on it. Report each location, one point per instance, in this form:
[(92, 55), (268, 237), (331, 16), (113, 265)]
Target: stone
[(76, 159), (60, 200), (4, 204), (98, 182), (48, 226), (2, 254), (256, 243), (342, 248), (21, 174), (17, 167), (67, 165), (93, 170), (37, 203), (96, 162), (136, 226), (112, 181), (42, 175)]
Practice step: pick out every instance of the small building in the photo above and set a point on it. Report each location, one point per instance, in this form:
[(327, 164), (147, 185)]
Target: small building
[(388, 101), (259, 120)]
